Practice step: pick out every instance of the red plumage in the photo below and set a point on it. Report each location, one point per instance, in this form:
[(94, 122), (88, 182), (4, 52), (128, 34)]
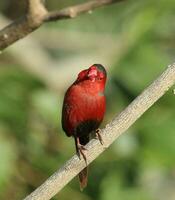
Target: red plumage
[(83, 109)]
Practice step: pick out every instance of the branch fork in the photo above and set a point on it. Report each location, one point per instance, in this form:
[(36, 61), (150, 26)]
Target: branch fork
[(37, 15)]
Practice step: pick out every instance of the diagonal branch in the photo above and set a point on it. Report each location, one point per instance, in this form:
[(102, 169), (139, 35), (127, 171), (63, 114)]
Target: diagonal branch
[(23, 26), (76, 10), (37, 15), (112, 131)]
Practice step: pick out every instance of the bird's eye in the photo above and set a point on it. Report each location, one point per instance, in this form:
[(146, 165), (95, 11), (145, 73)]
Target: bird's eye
[(101, 75)]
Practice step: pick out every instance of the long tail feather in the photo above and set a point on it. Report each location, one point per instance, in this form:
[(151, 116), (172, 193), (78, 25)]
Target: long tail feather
[(83, 178), (83, 175)]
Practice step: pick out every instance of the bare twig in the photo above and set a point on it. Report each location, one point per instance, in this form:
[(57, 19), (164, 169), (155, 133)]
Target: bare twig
[(73, 11), (23, 26), (37, 15), (112, 131)]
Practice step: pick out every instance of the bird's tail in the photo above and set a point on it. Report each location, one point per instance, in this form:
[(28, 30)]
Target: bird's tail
[(83, 175), (83, 178)]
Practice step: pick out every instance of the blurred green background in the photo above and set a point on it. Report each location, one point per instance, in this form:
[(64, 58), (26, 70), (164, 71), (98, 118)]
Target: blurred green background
[(135, 40)]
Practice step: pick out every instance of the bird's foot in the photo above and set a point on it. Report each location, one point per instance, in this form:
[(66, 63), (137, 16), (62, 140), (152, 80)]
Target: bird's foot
[(81, 150), (98, 136)]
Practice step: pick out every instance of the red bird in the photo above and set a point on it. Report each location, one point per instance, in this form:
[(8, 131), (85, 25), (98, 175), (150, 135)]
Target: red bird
[(83, 109)]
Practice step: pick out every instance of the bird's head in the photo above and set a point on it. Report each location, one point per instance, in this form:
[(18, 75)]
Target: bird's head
[(95, 73)]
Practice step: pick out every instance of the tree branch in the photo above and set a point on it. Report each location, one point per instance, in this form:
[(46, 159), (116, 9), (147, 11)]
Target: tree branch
[(73, 11), (38, 15), (112, 131)]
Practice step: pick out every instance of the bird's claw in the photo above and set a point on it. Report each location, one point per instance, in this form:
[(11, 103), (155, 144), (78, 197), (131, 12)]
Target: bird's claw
[(81, 150), (98, 136)]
